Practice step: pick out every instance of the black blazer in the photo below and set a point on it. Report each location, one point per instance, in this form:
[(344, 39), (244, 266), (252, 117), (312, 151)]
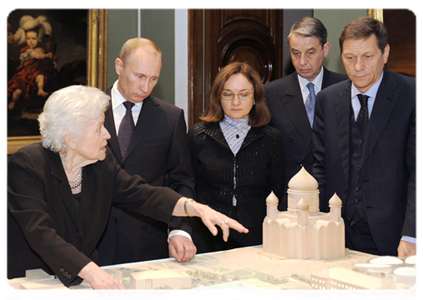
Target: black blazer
[(388, 171), (259, 164), (158, 152), (45, 227), (286, 105)]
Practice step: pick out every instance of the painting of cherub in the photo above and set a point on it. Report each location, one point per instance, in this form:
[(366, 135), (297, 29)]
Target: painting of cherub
[(47, 50), (30, 77)]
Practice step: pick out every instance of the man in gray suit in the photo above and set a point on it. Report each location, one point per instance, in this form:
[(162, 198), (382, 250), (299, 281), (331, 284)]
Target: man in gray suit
[(289, 99)]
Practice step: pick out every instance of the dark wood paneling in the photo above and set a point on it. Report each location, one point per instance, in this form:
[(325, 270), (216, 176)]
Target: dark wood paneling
[(401, 26), (252, 36)]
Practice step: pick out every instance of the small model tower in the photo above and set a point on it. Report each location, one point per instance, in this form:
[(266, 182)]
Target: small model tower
[(303, 232)]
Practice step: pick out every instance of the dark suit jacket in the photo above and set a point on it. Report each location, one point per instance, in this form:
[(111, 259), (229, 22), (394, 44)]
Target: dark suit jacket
[(259, 166), (286, 105), (388, 171), (45, 228), (158, 152)]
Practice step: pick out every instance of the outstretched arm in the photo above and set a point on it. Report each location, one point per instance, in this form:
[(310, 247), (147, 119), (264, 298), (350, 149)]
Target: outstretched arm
[(210, 217)]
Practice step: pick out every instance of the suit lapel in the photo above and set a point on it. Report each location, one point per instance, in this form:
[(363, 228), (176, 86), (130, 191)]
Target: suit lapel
[(252, 135), (64, 190), (146, 119), (87, 190), (386, 99), (342, 114), (294, 104), (213, 130), (109, 123), (327, 80)]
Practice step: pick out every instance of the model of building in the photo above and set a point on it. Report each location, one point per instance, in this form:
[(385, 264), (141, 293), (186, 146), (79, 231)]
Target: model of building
[(343, 279), (303, 232), (169, 279)]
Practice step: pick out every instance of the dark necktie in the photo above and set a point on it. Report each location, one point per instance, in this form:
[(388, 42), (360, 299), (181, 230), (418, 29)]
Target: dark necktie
[(363, 114), (310, 102), (126, 129)]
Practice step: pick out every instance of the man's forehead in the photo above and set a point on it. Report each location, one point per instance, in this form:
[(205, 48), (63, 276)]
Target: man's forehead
[(303, 41)]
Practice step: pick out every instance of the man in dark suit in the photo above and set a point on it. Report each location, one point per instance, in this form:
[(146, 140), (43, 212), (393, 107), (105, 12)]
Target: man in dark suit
[(289, 99), (157, 151), (364, 145)]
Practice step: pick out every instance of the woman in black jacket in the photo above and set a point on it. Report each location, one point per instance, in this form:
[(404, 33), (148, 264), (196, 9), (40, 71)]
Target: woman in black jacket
[(237, 158), (60, 193)]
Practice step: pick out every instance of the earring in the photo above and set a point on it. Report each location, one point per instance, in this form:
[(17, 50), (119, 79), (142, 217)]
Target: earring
[(73, 147)]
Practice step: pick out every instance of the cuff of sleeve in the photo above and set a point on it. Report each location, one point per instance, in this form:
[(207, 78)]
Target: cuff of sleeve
[(409, 239), (178, 232)]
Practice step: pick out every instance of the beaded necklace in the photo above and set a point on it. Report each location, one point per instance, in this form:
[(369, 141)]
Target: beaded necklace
[(78, 179)]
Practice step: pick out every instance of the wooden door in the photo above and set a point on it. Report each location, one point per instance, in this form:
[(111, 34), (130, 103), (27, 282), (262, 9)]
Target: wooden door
[(401, 26), (219, 37)]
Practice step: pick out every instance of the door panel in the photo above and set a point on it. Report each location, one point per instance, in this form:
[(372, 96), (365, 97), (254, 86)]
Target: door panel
[(219, 37)]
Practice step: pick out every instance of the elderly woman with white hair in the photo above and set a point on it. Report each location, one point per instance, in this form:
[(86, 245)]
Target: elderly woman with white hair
[(60, 192)]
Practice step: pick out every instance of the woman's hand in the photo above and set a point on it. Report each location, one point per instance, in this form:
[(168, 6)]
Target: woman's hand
[(98, 278), (209, 216)]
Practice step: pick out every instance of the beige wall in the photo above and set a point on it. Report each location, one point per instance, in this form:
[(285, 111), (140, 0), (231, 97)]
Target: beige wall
[(334, 21)]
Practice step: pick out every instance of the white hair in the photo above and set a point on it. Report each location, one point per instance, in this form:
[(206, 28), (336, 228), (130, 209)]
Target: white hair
[(27, 23), (67, 112)]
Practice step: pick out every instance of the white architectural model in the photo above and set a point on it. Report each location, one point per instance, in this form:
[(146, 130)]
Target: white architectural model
[(343, 279), (303, 232), (150, 280)]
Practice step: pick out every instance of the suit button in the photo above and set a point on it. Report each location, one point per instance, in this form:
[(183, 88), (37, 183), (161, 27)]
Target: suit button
[(356, 200), (122, 166), (357, 188), (290, 138)]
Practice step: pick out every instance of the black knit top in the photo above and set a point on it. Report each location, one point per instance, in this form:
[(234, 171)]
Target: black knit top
[(258, 168)]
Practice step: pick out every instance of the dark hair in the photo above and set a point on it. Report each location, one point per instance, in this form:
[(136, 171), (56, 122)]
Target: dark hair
[(309, 27), (259, 115), (33, 29), (364, 27)]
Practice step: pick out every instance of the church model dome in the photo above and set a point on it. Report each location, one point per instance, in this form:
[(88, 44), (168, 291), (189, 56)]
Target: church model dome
[(302, 205), (303, 185), (335, 201), (303, 232), (303, 181)]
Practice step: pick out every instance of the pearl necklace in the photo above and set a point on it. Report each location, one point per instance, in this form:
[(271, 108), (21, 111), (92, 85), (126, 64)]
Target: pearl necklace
[(78, 179)]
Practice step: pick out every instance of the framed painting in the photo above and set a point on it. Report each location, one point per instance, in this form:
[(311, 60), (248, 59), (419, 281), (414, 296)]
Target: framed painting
[(70, 48)]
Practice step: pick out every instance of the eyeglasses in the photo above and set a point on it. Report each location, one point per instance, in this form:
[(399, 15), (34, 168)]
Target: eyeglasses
[(242, 96)]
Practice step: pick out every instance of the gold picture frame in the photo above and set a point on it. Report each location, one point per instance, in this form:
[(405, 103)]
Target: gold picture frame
[(376, 14), (96, 66)]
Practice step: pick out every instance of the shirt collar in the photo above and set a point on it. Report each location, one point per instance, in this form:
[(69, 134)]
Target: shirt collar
[(118, 99), (317, 81), (372, 92)]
